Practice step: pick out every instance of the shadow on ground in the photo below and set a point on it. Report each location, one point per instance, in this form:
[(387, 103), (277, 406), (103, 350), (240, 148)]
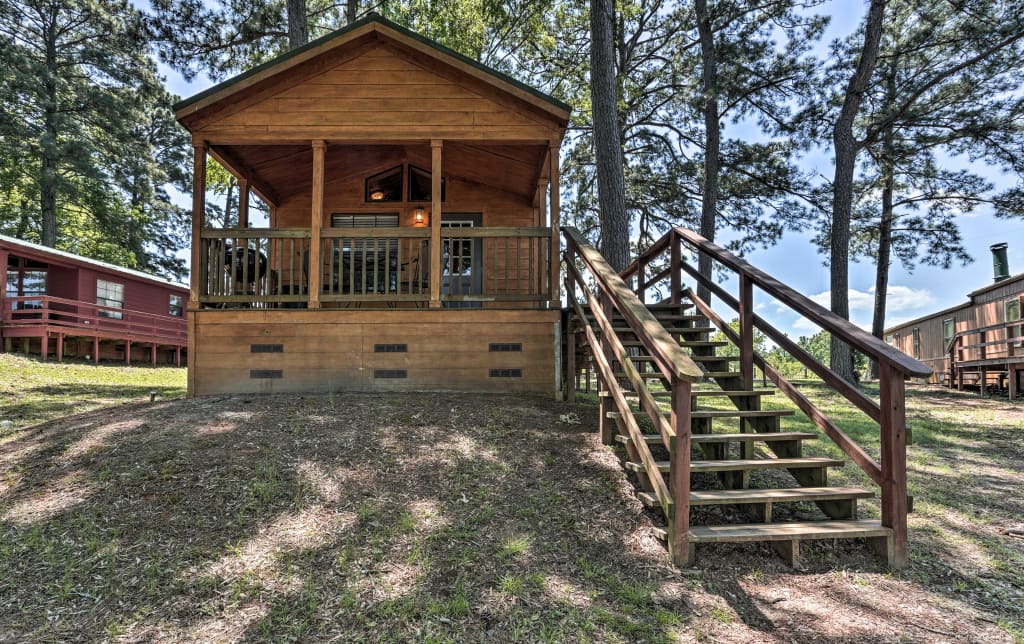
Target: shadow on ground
[(420, 517)]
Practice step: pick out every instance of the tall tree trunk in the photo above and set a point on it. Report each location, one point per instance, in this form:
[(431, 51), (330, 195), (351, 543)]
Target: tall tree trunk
[(23, 220), (712, 143), (846, 148), (297, 25), (351, 10), (611, 180), (882, 269), (48, 176), (227, 202), (883, 261)]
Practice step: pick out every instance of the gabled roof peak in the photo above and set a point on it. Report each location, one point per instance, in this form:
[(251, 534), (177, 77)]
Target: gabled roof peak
[(372, 22)]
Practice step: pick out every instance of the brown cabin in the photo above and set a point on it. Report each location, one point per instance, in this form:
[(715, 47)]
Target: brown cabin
[(413, 223), (80, 307), (977, 344)]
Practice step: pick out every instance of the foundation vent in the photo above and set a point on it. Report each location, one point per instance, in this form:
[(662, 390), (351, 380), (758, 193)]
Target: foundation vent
[(506, 373), (390, 373), (258, 374), (505, 347), (390, 348), (266, 348)]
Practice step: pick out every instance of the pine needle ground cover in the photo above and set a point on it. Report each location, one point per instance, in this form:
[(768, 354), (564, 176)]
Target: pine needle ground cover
[(444, 517)]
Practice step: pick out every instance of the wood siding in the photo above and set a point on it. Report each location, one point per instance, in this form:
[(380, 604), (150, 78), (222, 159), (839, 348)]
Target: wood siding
[(987, 309), (331, 350), (384, 92)]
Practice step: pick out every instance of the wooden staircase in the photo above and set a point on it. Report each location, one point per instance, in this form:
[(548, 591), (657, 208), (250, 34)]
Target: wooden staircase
[(703, 448)]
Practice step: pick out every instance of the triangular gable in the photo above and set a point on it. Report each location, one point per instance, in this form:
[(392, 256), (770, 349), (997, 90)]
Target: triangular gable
[(366, 41)]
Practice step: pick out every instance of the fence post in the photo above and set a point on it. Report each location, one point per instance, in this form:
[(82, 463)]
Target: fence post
[(893, 424), (746, 331), (679, 478)]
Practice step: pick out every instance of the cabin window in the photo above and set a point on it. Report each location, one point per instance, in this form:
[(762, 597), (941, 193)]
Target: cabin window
[(175, 307), (917, 342), (385, 186), (1012, 310), (110, 295), (31, 283), (948, 331), (421, 186)]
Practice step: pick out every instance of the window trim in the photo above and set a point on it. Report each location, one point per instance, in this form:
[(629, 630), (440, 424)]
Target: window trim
[(916, 346), (946, 339), (107, 301), (1006, 309)]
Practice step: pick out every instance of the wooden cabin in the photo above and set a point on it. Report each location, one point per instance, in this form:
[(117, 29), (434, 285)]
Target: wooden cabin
[(79, 307), (977, 344), (413, 223)]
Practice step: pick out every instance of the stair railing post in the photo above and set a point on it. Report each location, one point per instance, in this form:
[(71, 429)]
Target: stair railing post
[(746, 331), (641, 279), (675, 268), (679, 476), (893, 424), (606, 424), (570, 335)]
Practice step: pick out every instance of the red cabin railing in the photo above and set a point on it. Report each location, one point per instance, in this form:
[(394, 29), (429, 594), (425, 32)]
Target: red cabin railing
[(92, 319)]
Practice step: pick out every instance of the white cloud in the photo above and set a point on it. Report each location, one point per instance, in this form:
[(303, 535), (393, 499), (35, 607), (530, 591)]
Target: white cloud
[(901, 298)]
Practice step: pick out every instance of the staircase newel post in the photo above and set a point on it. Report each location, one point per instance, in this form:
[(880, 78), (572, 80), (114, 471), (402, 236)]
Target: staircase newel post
[(746, 331), (675, 268), (894, 459), (679, 477)]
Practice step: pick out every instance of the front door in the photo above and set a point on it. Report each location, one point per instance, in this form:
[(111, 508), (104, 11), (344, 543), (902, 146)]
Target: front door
[(461, 261)]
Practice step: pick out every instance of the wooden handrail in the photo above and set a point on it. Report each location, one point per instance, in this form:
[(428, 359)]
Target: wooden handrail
[(851, 393), (845, 443), (836, 325), (669, 357)]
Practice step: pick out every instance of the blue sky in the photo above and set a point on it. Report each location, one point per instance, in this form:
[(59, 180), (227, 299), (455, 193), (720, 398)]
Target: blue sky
[(795, 259)]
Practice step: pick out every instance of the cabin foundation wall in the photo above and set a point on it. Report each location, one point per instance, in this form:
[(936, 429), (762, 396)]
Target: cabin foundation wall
[(283, 351)]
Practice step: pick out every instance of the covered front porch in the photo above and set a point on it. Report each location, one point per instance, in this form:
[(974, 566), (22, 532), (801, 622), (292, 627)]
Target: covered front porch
[(366, 219), (411, 206)]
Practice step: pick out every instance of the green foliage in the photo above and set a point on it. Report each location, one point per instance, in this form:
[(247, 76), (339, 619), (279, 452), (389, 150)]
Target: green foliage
[(88, 146)]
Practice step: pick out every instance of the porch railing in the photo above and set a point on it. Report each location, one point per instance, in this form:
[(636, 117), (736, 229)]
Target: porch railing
[(90, 319), (984, 346), (269, 268)]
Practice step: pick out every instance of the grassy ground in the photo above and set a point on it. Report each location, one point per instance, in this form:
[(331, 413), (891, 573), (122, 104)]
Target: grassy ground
[(440, 517), (32, 391)]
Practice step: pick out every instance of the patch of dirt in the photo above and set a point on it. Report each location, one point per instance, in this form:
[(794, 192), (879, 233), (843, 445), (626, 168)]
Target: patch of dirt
[(368, 517)]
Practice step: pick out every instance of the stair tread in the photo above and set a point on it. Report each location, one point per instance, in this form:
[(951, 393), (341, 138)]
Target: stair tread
[(731, 438), (786, 531), (724, 414), (719, 392), (732, 465), (767, 495), (778, 495)]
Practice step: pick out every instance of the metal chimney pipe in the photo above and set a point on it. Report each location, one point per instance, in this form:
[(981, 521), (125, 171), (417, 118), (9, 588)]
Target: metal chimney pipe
[(1000, 265)]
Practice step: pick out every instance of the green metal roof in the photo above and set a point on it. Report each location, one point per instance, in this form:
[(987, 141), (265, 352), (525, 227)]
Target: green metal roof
[(372, 17)]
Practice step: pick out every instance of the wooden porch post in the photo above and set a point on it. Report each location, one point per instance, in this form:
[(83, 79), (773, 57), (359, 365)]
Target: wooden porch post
[(152, 354), (435, 223), (199, 149), (556, 298), (3, 292), (243, 203), (316, 221), (44, 346), (96, 349), (128, 352), (893, 424), (177, 356), (60, 347)]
